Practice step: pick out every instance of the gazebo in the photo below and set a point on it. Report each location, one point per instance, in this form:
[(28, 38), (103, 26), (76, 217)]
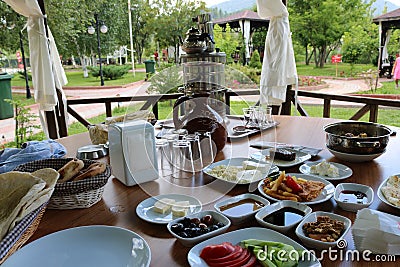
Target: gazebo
[(386, 22), (247, 22)]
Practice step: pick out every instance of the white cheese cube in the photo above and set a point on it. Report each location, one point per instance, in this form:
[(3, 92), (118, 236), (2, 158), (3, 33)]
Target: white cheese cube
[(163, 205), (180, 208), (251, 165)]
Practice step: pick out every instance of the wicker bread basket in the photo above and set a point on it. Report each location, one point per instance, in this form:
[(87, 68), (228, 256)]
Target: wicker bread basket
[(71, 195), (18, 236)]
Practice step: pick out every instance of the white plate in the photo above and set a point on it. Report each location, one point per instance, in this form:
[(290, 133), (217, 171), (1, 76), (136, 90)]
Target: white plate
[(300, 157), (145, 208), (256, 233), (325, 195), (382, 197), (96, 245), (344, 171), (237, 162)]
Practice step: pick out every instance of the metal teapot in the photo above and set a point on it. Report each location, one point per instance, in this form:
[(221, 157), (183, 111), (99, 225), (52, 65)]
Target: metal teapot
[(195, 41)]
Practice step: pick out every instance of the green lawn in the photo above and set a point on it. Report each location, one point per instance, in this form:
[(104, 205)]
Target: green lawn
[(75, 78), (23, 99), (329, 69)]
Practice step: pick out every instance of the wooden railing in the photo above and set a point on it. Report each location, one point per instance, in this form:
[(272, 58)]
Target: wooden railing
[(370, 105)]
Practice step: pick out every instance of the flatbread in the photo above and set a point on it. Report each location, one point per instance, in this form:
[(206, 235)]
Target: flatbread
[(48, 175), (391, 190), (16, 189)]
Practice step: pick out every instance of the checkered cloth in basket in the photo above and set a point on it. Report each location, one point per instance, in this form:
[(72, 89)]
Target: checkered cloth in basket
[(20, 233), (74, 194)]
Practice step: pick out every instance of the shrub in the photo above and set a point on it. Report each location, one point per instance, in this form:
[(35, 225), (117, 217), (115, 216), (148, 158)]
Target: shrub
[(255, 60), (110, 72), (22, 75)]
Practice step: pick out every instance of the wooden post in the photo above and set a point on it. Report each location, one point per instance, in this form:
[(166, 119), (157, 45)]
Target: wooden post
[(55, 119)]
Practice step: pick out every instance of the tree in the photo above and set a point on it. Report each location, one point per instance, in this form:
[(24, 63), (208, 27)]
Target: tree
[(228, 41), (360, 44), (10, 25), (321, 24), (173, 19)]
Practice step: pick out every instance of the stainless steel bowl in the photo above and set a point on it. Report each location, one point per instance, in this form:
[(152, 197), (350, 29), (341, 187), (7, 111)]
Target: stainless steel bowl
[(92, 152), (346, 137)]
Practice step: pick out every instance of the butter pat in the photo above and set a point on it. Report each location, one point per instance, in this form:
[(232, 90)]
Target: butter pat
[(251, 165), (163, 205), (180, 208)]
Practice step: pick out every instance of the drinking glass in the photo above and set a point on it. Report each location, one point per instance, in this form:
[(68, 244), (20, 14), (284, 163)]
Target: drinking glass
[(182, 160), (197, 156), (208, 149), (163, 155), (247, 114)]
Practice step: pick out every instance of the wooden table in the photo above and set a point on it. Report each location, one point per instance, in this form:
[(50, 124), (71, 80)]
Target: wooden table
[(119, 201)]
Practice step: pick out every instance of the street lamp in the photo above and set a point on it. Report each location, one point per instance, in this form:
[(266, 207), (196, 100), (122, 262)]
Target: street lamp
[(130, 34), (103, 29)]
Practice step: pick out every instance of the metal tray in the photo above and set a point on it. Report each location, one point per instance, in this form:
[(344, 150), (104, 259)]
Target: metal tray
[(231, 121)]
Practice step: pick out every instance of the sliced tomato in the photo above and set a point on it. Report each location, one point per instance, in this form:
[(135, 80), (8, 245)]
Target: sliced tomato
[(233, 255), (252, 262), (238, 262), (216, 251)]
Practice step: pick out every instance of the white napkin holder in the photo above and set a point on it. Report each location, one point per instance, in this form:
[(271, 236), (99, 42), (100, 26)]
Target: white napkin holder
[(377, 231), (132, 151)]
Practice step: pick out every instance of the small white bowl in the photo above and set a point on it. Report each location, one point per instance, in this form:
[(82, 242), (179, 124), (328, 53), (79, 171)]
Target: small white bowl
[(191, 241), (237, 214), (316, 244), (278, 206), (353, 206)]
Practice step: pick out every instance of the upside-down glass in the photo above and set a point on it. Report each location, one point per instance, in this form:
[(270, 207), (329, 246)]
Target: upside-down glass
[(182, 160), (197, 157), (163, 155)]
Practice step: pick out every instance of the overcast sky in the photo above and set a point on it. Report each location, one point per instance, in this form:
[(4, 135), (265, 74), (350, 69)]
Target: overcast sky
[(396, 2), (214, 2)]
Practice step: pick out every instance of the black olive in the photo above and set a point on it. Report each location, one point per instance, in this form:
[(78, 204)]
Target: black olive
[(204, 230), (186, 221), (195, 220), (220, 225), (207, 219), (213, 227), (183, 234), (196, 231), (192, 225), (202, 225), (177, 227)]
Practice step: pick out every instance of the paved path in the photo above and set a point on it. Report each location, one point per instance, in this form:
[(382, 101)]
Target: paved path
[(7, 126)]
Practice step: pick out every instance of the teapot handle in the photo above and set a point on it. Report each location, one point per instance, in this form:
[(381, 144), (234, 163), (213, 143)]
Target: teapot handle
[(178, 122)]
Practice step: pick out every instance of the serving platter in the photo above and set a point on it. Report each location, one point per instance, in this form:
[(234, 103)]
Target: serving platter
[(325, 195), (382, 197), (145, 208), (264, 155), (344, 171), (237, 236), (95, 245), (167, 126), (237, 162)]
